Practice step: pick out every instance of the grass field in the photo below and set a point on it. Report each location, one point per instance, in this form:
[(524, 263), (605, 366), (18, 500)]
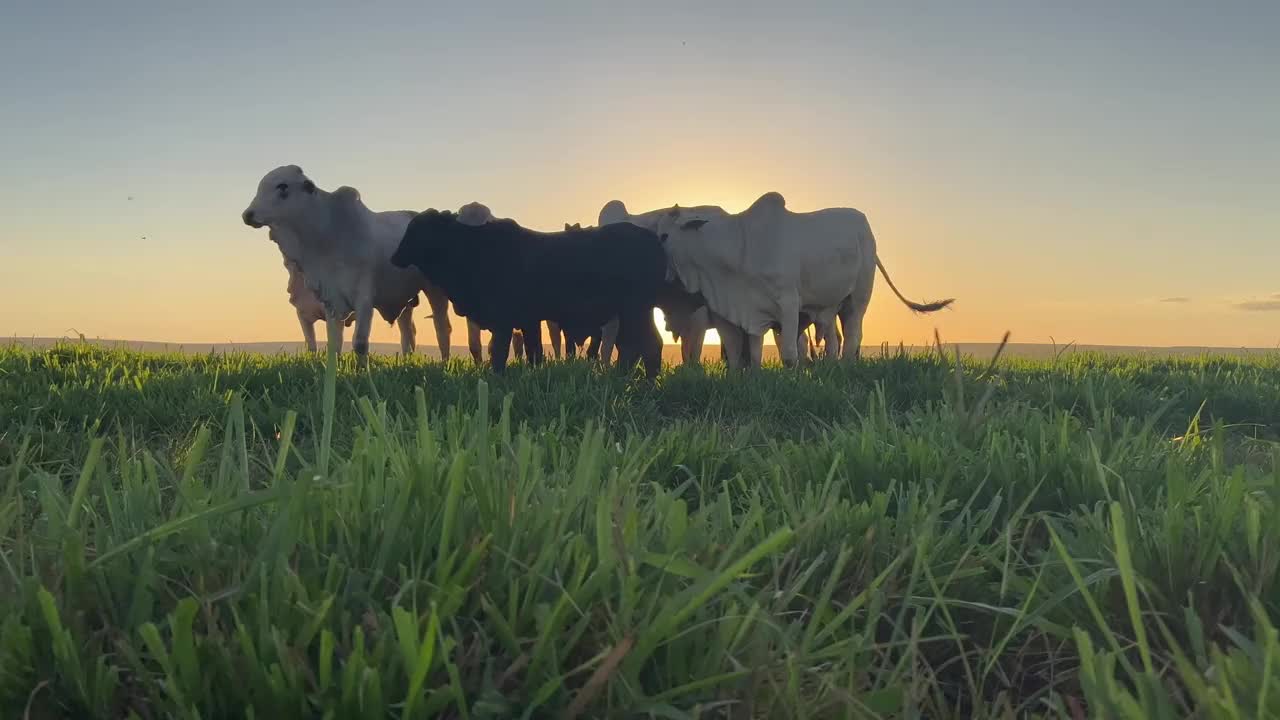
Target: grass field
[(272, 537)]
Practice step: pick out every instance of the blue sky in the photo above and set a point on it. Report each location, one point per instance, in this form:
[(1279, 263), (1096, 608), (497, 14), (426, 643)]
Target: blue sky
[(1059, 169)]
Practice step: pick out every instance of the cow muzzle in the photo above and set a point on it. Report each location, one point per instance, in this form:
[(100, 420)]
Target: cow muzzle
[(249, 219)]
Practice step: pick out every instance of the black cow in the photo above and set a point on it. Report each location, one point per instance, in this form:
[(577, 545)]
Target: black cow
[(504, 277)]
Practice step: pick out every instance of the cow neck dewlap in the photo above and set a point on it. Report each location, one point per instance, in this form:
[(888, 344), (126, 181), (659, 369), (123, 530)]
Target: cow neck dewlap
[(287, 241)]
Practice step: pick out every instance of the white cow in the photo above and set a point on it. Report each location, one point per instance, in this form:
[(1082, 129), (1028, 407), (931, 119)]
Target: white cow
[(475, 213), (344, 252), (764, 266), (690, 327)]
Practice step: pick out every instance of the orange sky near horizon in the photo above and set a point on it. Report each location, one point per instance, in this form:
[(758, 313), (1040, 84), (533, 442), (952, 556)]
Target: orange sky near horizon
[(235, 289)]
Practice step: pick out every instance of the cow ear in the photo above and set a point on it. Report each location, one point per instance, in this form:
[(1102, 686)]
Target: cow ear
[(308, 186), (693, 224)]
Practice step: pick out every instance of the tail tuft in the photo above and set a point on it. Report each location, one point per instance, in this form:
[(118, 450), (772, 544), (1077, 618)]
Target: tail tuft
[(926, 307)]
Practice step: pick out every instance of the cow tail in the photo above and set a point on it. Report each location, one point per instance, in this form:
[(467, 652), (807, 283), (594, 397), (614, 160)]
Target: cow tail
[(915, 306)]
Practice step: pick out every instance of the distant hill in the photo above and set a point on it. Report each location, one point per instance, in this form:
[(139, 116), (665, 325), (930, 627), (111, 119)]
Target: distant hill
[(671, 352)]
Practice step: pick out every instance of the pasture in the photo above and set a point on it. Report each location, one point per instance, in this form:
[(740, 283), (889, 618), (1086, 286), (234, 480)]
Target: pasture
[(273, 536)]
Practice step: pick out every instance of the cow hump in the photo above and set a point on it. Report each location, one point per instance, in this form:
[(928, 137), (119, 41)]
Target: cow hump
[(770, 201)]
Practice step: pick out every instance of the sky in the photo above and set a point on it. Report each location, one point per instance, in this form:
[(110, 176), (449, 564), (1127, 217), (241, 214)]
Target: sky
[(1089, 172)]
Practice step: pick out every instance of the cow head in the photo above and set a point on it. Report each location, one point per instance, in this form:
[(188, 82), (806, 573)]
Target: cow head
[(424, 241), (573, 227), (284, 194), (678, 220)]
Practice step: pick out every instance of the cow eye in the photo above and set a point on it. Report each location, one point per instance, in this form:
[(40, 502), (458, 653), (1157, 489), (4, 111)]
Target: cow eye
[(283, 188)]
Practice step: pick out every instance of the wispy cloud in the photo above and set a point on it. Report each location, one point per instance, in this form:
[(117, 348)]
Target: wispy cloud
[(1272, 305), (1178, 299)]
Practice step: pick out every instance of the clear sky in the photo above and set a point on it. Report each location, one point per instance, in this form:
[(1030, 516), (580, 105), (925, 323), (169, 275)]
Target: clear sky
[(1096, 172)]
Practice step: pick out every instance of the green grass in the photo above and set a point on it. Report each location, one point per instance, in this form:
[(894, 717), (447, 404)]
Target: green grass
[(242, 536)]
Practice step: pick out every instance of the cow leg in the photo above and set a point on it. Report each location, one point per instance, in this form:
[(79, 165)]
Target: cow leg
[(732, 343), (533, 343), (806, 345), (308, 331), (360, 338), (628, 353), (830, 339), (652, 357), (608, 338), (517, 345), (439, 303), (730, 349), (639, 339), (678, 325), (807, 342), (852, 310), (408, 333), (554, 331), (628, 341), (755, 351), (693, 335), (699, 321), (789, 310), (473, 342), (499, 346)]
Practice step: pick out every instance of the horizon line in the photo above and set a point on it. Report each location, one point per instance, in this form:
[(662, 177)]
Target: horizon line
[(768, 345)]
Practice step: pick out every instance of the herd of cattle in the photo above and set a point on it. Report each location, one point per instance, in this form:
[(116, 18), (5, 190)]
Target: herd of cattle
[(743, 274)]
